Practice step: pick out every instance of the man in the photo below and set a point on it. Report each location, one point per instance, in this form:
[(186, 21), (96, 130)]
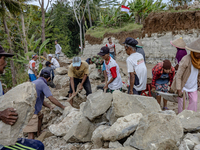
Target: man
[(111, 47), (139, 48), (97, 60), (55, 63), (42, 90), (49, 69), (136, 67), (58, 49), (9, 115), (89, 61), (163, 73), (78, 73), (188, 76), (112, 70), (31, 71)]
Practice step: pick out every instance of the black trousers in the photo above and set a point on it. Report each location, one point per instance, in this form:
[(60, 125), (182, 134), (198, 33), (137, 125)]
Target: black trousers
[(86, 86)]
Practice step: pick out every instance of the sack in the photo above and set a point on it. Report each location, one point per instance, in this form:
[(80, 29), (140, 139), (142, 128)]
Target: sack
[(137, 82)]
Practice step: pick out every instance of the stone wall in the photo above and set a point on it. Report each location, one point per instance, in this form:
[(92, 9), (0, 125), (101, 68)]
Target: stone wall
[(157, 47)]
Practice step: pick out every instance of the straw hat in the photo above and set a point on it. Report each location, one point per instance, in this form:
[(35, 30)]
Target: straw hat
[(178, 43), (194, 46), (139, 42)]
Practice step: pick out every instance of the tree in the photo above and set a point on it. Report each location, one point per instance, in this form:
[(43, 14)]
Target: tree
[(13, 7)]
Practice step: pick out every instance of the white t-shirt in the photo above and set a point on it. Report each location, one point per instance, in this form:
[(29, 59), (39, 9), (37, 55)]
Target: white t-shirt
[(135, 62), (112, 69), (111, 47), (31, 65), (55, 62), (58, 48), (191, 84)]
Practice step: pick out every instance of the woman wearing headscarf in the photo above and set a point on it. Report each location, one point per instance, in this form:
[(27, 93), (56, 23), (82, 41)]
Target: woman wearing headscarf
[(187, 77), (181, 52)]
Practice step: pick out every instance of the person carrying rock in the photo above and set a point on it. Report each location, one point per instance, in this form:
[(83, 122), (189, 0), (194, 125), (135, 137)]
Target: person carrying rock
[(163, 73), (78, 73), (55, 63), (58, 49), (139, 48), (31, 71), (49, 69), (112, 70), (181, 52), (9, 115), (42, 90), (136, 67), (111, 47), (188, 76)]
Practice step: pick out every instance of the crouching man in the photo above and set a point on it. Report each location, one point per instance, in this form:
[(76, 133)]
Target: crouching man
[(9, 116), (78, 73), (42, 90)]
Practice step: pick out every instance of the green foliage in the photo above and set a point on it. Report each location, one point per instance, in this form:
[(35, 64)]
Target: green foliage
[(141, 8), (42, 46)]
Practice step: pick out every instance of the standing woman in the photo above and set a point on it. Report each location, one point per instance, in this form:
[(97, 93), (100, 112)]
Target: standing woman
[(111, 47), (181, 52)]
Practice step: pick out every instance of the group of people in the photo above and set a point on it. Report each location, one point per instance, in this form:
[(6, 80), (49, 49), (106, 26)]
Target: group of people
[(183, 77)]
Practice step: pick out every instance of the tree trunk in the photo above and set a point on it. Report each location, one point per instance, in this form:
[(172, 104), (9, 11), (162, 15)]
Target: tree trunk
[(24, 36), (12, 67), (43, 22), (81, 42), (89, 14)]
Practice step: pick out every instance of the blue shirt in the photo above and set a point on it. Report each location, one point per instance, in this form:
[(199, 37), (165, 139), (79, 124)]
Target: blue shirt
[(164, 79), (42, 90), (104, 67)]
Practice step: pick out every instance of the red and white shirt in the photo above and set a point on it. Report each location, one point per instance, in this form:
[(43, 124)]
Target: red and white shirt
[(112, 70), (31, 66), (111, 47)]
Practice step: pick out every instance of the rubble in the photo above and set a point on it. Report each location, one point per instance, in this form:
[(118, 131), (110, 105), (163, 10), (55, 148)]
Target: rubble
[(190, 120), (22, 98), (190, 141), (61, 81), (61, 71), (156, 129), (97, 103)]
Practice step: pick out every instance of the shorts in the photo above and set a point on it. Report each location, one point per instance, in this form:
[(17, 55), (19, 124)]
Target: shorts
[(32, 77), (57, 55), (111, 91), (32, 126), (161, 88)]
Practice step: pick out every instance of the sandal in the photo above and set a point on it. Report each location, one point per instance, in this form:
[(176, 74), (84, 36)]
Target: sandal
[(165, 108)]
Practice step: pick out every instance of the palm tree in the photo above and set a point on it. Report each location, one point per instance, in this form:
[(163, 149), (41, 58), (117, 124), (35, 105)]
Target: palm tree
[(13, 7)]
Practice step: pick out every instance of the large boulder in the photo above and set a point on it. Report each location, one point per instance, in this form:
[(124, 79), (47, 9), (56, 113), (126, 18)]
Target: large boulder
[(190, 141), (119, 148), (61, 81), (65, 126), (190, 120), (97, 104), (122, 128), (95, 75), (125, 104), (81, 131), (157, 130), (22, 98), (61, 71)]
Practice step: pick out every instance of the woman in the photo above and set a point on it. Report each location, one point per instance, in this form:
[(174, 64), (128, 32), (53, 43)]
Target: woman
[(181, 52)]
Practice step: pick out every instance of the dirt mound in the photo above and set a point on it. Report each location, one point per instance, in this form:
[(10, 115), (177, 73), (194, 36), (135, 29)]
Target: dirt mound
[(121, 36), (176, 21)]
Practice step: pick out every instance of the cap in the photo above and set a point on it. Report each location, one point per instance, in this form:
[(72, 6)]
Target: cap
[(104, 50), (35, 55), (48, 63), (45, 73), (3, 53), (131, 41), (50, 55), (167, 64), (76, 62)]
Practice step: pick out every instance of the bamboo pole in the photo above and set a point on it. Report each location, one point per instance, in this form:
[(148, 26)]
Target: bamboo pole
[(184, 99)]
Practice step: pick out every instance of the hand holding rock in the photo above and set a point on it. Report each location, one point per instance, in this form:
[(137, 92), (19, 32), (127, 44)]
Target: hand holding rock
[(9, 116)]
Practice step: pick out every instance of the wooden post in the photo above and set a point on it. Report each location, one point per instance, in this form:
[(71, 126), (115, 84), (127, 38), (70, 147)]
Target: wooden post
[(184, 99)]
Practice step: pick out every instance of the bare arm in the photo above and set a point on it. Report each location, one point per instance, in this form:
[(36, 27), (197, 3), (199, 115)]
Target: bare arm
[(115, 50), (56, 102), (132, 81), (45, 104), (84, 78), (72, 83), (105, 76), (34, 71)]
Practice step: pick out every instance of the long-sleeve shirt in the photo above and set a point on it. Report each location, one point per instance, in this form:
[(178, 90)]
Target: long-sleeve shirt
[(157, 71), (58, 48)]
